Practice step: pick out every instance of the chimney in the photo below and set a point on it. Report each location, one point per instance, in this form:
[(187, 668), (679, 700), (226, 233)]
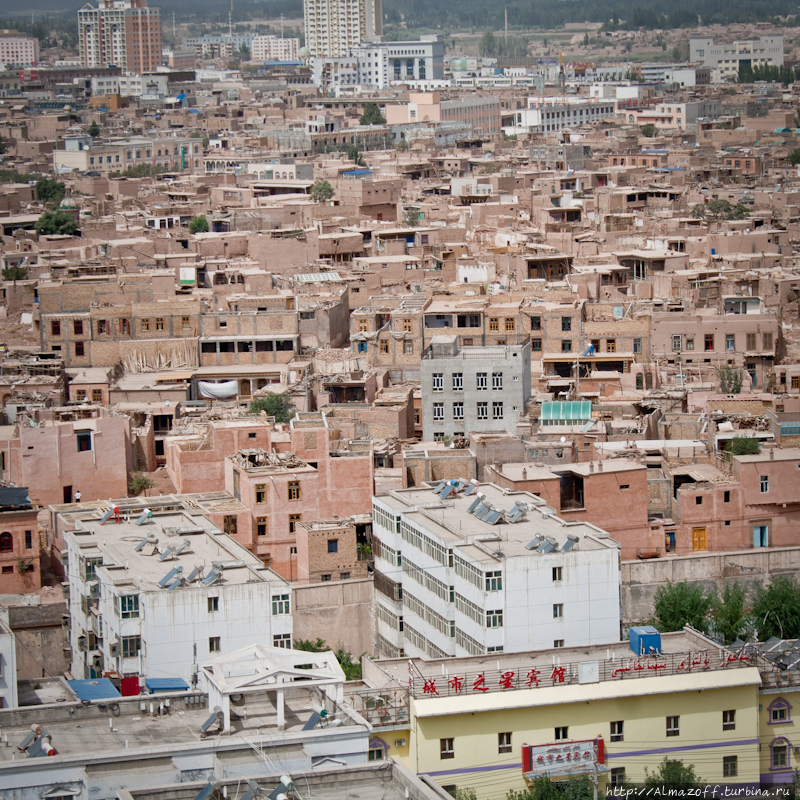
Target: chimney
[(599, 466), (524, 473), (591, 466), (772, 454)]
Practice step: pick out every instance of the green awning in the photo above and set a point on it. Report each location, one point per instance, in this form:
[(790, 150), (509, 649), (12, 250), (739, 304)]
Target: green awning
[(567, 412)]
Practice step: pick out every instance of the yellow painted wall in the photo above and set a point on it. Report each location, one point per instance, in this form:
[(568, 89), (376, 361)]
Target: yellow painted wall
[(700, 712), (770, 732)]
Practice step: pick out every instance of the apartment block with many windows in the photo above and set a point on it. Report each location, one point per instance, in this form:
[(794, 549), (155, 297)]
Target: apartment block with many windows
[(470, 570)]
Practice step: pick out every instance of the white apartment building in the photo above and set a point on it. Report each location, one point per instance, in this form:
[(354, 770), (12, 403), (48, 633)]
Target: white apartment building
[(335, 27), (8, 663), (160, 598), (549, 114), (274, 48), (726, 58), (19, 50), (469, 570)]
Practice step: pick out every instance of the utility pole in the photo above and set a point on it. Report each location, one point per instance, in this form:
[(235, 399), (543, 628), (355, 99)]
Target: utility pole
[(230, 21), (281, 26), (506, 25), (173, 24)]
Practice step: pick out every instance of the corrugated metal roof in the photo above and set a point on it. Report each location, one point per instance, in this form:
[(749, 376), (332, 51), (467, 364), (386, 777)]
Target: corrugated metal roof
[(94, 689), (567, 411), (314, 277)]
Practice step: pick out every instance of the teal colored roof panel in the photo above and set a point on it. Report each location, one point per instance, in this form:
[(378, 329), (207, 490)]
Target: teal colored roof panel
[(567, 411)]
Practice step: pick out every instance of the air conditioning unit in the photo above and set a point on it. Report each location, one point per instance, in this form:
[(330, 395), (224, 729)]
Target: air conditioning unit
[(94, 590), (399, 742), (82, 644), (115, 648)]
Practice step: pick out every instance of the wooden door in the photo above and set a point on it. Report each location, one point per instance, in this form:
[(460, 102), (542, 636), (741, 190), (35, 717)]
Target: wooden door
[(699, 539)]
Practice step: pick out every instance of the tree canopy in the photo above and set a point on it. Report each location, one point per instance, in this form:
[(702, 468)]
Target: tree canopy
[(679, 604), (673, 776), (198, 224), (14, 273), (649, 130), (49, 190), (94, 129), (350, 667), (321, 191), (744, 446), (279, 406), (372, 115), (56, 222), (776, 609)]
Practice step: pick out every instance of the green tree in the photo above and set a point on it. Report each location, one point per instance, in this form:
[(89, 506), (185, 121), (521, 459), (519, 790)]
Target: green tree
[(649, 130), (138, 482), (244, 52), (776, 609), (14, 273), (94, 129), (402, 146), (730, 380), (576, 787), (744, 446), (585, 39), (49, 190), (730, 619), (465, 793), (198, 224), (794, 156), (679, 604), (355, 156), (321, 191), (372, 115), (56, 222), (351, 668), (411, 217), (279, 406), (672, 776)]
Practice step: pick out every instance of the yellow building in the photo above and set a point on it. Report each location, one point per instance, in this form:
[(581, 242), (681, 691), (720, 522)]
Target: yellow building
[(779, 724), (482, 722)]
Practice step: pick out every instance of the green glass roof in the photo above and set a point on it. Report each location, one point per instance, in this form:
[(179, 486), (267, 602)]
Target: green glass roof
[(567, 411)]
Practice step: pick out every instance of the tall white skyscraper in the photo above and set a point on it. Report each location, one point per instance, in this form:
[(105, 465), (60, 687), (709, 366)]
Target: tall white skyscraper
[(333, 27)]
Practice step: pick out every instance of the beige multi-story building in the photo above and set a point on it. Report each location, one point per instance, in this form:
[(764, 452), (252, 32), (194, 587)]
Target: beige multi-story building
[(274, 48), (334, 27), (122, 33), (15, 48)]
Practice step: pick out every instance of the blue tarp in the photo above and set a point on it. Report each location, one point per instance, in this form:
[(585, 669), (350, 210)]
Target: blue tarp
[(94, 689), (166, 685)]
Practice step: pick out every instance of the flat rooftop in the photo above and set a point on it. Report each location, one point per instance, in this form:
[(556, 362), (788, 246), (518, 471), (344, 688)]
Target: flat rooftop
[(194, 539), (451, 521)]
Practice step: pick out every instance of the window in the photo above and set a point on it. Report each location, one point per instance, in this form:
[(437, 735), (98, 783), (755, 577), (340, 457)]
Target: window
[(344, 576), (293, 520), (458, 381), (294, 490), (566, 323), (129, 606), (483, 410), (363, 326), (261, 493), (617, 776), (730, 766), (497, 410), (8, 570), (566, 345), (780, 754), (362, 347), (102, 326), (230, 524), (558, 574), (185, 323), (558, 610), (726, 497), (131, 645), (730, 341), (536, 345), (325, 577), (124, 326), (145, 325), (511, 324), (333, 545), (689, 343), (617, 728), (159, 323), (376, 754), (438, 412), (84, 440), (779, 712), (558, 643), (213, 644), (494, 324), (438, 382), (494, 619), (709, 342), (6, 542), (536, 323), (446, 749), (213, 604), (503, 742), (283, 640), (407, 325), (280, 603), (77, 327), (562, 734), (497, 380), (494, 581), (764, 481), (384, 346), (458, 412), (408, 348), (79, 349), (637, 345), (729, 720), (28, 540), (673, 726), (481, 381), (261, 526), (55, 328)]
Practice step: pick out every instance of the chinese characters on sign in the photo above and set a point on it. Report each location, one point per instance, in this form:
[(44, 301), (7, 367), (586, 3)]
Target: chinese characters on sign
[(562, 757)]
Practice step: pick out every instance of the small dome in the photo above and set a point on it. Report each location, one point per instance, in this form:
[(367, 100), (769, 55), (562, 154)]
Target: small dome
[(68, 202), (304, 52)]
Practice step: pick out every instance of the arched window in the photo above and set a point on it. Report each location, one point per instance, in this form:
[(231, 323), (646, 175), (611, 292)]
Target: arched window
[(378, 749), (780, 754), (6, 542), (780, 711)]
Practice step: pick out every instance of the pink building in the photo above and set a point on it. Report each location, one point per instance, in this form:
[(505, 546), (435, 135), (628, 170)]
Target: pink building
[(19, 542), (18, 50)]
